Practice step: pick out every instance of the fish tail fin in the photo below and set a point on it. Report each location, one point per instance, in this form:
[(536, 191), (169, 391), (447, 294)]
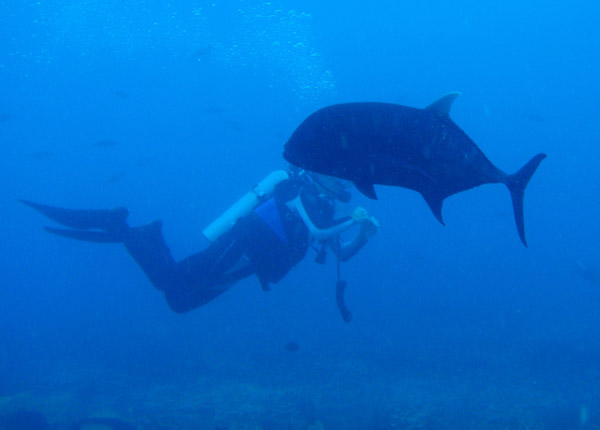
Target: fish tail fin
[(516, 183)]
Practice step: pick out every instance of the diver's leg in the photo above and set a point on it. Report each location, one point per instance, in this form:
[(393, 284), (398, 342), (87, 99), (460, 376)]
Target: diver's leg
[(145, 244), (208, 274), (191, 283), (186, 297), (148, 248)]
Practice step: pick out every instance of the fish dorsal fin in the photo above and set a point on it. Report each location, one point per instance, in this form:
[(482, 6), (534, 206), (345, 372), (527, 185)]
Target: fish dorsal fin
[(441, 107)]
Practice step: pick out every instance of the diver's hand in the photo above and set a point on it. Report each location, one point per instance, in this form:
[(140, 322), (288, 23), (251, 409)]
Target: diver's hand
[(369, 228), (360, 214)]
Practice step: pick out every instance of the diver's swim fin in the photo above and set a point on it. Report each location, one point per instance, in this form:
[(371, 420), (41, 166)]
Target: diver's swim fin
[(111, 220), (88, 235)]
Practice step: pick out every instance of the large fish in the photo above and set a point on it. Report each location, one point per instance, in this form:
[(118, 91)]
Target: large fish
[(390, 144)]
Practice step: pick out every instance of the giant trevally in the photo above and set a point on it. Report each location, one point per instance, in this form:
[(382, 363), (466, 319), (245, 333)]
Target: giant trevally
[(390, 144)]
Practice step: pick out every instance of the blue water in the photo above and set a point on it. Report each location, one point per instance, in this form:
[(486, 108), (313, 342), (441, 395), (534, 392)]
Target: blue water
[(175, 109)]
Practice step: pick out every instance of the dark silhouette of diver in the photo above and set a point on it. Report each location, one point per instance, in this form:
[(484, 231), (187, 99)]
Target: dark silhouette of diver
[(266, 239)]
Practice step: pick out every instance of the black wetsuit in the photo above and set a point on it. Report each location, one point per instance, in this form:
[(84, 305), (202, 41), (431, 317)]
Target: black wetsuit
[(268, 242)]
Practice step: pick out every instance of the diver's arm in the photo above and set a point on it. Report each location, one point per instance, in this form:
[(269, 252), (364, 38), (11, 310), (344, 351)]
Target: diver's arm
[(344, 250), (321, 234)]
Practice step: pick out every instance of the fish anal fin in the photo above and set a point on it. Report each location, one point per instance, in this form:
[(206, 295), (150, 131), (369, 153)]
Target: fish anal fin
[(435, 202), (441, 107), (366, 188)]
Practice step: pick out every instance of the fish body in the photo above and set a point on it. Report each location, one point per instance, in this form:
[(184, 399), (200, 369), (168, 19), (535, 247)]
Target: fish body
[(389, 144)]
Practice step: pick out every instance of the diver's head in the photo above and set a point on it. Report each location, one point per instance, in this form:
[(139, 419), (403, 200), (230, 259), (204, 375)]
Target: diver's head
[(332, 187)]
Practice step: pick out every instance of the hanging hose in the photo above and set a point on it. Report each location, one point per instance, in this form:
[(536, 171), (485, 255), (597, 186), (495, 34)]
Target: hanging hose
[(340, 288)]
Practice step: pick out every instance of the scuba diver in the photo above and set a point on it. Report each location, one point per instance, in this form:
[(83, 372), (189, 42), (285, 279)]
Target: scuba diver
[(265, 233)]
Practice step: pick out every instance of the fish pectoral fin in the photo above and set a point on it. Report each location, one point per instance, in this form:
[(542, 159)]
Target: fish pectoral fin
[(366, 188), (441, 107), (435, 202)]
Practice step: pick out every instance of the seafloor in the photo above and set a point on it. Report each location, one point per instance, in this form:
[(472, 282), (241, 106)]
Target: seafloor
[(312, 395)]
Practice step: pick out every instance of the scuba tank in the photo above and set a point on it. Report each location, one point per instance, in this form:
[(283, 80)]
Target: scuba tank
[(249, 201)]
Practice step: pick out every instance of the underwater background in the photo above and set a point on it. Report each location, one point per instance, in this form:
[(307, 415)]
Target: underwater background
[(175, 109)]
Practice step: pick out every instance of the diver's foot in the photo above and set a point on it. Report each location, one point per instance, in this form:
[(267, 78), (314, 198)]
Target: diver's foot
[(148, 248), (150, 230), (149, 234)]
